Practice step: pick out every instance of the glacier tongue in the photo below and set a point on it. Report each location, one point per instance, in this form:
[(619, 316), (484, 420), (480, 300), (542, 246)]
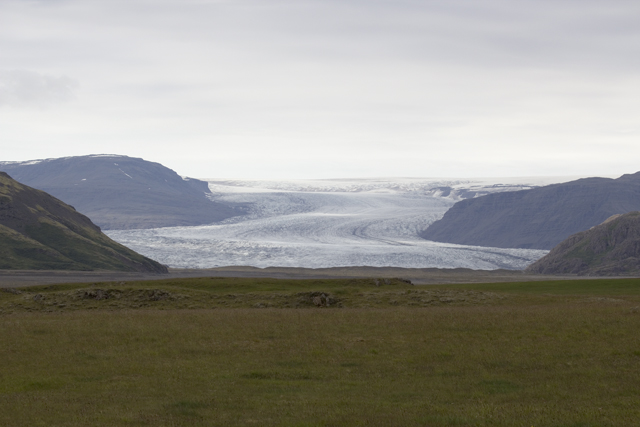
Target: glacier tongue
[(291, 226)]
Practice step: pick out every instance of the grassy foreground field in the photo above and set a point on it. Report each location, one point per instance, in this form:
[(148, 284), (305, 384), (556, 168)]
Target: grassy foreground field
[(202, 352)]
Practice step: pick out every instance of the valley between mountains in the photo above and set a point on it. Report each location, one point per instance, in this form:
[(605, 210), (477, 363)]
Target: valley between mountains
[(326, 223), (479, 224)]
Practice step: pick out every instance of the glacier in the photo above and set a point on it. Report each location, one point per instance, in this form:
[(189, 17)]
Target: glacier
[(330, 223)]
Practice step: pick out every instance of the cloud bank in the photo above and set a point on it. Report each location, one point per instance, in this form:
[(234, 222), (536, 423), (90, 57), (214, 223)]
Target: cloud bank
[(328, 88)]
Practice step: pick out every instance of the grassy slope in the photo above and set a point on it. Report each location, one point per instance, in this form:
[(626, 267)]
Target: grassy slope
[(39, 232), (611, 248), (89, 249), (543, 354), (18, 251)]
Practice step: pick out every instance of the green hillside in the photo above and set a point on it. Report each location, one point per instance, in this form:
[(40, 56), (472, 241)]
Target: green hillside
[(609, 249), (38, 231)]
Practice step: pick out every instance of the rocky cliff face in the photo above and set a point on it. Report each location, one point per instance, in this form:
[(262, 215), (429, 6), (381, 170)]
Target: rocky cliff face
[(120, 192), (539, 218), (38, 231), (609, 249)]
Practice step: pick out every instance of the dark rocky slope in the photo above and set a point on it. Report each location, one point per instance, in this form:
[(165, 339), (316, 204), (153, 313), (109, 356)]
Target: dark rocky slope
[(609, 249), (38, 231), (539, 218), (120, 192)]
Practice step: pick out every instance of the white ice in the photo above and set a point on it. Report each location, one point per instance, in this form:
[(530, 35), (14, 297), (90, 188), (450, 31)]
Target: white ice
[(331, 223)]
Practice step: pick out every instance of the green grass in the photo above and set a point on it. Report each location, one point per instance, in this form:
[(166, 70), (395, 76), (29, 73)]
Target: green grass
[(212, 293), (610, 287), (87, 248), (217, 292), (20, 252), (51, 247), (222, 285), (523, 358)]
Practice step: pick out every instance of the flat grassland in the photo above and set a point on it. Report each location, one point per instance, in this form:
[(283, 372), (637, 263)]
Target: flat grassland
[(325, 352)]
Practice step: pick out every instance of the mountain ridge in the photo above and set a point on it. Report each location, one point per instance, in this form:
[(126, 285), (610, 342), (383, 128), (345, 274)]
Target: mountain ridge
[(538, 218), (121, 192)]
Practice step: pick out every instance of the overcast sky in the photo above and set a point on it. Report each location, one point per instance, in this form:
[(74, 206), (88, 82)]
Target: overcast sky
[(326, 88)]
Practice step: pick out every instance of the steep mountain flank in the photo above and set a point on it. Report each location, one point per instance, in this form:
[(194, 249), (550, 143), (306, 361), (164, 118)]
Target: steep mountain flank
[(119, 192), (539, 218), (38, 231), (609, 249)]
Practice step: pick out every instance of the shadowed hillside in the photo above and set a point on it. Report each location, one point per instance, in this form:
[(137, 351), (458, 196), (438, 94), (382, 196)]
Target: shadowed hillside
[(539, 218), (38, 231), (120, 192), (609, 249)]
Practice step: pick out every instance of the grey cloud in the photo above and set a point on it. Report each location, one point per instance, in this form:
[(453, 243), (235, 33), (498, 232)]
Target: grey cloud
[(517, 78), (575, 36), (22, 88), (587, 34)]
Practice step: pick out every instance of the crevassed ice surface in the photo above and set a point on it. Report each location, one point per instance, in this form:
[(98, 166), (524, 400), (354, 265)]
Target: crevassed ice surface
[(294, 225)]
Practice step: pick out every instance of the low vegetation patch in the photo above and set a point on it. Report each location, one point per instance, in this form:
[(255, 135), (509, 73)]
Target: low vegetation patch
[(202, 352), (238, 293)]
